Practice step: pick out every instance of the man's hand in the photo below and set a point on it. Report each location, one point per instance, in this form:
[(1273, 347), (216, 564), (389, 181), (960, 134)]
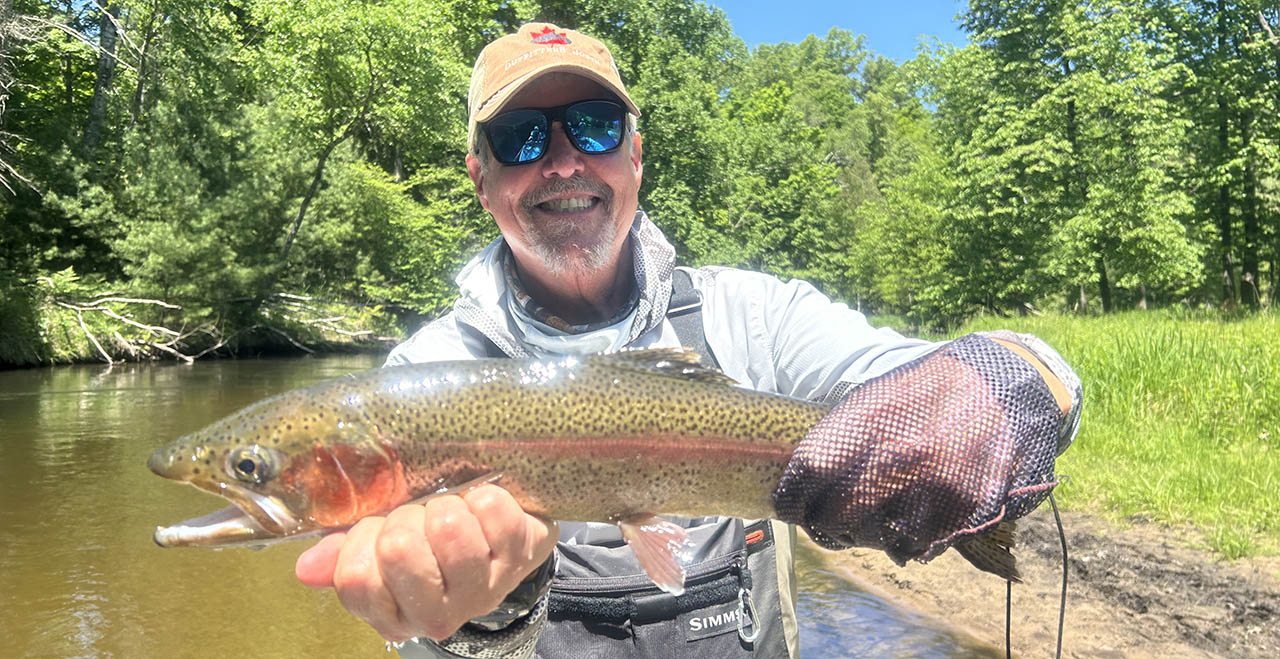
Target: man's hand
[(930, 453), (426, 569)]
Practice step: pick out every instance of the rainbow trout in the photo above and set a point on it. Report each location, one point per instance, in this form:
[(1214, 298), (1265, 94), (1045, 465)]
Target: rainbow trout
[(614, 438)]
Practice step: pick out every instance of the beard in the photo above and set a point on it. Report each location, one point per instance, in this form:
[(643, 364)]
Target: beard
[(584, 243)]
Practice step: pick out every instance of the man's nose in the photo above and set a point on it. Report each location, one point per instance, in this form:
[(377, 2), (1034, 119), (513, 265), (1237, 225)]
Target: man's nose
[(562, 159)]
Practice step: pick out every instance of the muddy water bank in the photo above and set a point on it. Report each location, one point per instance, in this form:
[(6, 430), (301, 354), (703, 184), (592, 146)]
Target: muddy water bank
[(1141, 590)]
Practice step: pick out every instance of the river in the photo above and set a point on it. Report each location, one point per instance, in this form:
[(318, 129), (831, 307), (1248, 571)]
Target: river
[(80, 576)]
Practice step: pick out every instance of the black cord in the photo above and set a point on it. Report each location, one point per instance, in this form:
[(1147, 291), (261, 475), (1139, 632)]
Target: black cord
[(1062, 603), (1008, 615)]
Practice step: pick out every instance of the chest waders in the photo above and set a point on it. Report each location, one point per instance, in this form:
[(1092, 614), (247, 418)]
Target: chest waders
[(602, 605)]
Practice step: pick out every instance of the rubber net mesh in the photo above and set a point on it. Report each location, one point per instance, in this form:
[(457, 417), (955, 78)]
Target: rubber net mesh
[(931, 452)]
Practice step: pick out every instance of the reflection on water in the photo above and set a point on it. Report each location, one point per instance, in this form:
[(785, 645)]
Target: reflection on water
[(839, 620), (80, 577)]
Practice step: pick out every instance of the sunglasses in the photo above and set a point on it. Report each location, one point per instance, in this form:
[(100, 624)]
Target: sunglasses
[(521, 136)]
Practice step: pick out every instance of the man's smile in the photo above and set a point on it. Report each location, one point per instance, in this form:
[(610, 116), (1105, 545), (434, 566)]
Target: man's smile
[(573, 204), (574, 197)]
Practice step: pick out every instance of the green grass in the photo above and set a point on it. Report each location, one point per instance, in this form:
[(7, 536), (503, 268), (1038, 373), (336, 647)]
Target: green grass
[(1181, 420)]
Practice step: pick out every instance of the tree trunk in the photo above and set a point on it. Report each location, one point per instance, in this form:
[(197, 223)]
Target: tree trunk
[(1275, 275), (316, 178), (1223, 210), (139, 88), (1249, 218), (138, 99), (106, 75), (1104, 285), (68, 66), (1075, 198)]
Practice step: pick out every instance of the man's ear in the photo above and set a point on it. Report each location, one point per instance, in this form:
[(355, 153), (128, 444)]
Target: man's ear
[(476, 171), (637, 150)]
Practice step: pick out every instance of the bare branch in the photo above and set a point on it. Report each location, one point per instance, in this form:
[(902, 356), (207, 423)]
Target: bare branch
[(150, 328), (159, 346), (124, 344), (92, 339), (119, 28), (1266, 27), (82, 39), (290, 339), (148, 341), (154, 329), (133, 300)]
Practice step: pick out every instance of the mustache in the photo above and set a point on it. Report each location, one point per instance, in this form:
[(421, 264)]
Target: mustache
[(576, 183)]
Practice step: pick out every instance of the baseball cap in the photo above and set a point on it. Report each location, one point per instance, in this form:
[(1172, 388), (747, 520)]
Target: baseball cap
[(509, 63)]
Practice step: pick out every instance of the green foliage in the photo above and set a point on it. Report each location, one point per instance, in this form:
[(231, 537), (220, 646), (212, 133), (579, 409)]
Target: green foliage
[(19, 324), (376, 243), (36, 330), (1181, 422), (1076, 151)]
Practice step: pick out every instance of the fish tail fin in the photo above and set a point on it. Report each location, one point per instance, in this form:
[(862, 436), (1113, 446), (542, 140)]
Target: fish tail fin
[(991, 551)]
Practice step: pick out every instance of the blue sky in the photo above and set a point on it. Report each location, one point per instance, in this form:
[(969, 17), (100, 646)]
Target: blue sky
[(892, 28)]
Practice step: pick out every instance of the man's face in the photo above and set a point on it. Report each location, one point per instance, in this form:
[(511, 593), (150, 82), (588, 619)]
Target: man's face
[(570, 210)]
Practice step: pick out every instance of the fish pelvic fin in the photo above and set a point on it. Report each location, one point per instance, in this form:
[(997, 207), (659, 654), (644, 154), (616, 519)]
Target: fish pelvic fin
[(669, 362), (662, 548), (992, 551)]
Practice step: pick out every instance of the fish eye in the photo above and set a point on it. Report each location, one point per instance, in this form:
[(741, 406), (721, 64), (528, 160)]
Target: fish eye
[(250, 465)]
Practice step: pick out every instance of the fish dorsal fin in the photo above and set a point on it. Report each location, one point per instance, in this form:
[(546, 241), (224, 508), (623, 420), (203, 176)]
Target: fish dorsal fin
[(669, 362)]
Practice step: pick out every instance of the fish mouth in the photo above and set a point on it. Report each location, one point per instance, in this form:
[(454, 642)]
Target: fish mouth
[(224, 528), (254, 519)]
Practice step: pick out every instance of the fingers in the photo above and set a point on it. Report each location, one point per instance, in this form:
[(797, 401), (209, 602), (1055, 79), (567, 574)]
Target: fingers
[(360, 583), (315, 566), (435, 563), (518, 542), (468, 562), (425, 570), (409, 569)]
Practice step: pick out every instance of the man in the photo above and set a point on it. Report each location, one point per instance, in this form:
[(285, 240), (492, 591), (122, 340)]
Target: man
[(579, 269)]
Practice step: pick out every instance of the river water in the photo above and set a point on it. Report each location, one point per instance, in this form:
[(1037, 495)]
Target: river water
[(80, 576)]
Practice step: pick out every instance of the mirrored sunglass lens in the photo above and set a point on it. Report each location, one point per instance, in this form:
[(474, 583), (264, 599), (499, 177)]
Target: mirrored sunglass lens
[(595, 126), (518, 136)]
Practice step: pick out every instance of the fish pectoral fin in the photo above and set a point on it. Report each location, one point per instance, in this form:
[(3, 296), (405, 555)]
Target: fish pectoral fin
[(459, 489), (662, 547), (990, 552)]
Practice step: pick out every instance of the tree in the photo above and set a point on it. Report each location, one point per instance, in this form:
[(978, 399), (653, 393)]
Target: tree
[(1083, 144)]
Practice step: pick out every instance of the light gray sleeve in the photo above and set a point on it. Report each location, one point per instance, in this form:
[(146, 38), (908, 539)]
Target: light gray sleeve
[(789, 338), (440, 340)]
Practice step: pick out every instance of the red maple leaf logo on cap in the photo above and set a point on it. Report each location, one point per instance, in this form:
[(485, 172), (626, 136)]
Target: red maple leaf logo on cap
[(549, 36)]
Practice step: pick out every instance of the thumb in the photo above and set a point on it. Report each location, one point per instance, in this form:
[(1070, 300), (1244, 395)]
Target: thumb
[(541, 536), (315, 566)]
